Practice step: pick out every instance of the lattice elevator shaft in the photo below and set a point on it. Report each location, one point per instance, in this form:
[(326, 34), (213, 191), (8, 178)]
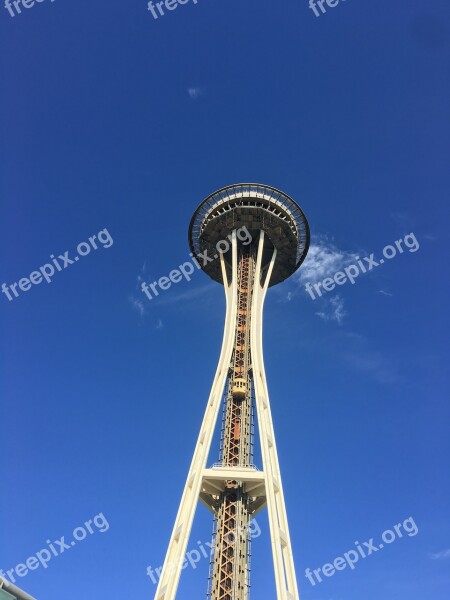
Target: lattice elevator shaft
[(230, 579)]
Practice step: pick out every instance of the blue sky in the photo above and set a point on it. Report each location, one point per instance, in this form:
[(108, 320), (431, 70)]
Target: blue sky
[(111, 119)]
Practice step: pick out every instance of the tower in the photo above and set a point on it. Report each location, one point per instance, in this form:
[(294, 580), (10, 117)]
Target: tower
[(9, 591), (247, 237)]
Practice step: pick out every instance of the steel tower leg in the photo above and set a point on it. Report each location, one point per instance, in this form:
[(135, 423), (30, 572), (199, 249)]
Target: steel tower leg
[(235, 490), (170, 575), (286, 583)]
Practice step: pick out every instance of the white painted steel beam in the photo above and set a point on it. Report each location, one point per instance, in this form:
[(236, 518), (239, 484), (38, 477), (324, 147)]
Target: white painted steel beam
[(170, 575)]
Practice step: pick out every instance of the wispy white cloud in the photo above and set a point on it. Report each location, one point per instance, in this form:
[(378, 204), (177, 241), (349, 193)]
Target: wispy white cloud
[(141, 275), (137, 305), (324, 259), (194, 92), (332, 309), (159, 324), (384, 293), (442, 555), (402, 219), (193, 294)]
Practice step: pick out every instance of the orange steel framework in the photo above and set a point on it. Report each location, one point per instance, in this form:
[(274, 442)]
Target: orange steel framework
[(231, 573)]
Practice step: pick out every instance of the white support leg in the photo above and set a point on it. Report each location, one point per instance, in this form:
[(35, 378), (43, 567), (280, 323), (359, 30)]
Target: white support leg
[(286, 583), (170, 575)]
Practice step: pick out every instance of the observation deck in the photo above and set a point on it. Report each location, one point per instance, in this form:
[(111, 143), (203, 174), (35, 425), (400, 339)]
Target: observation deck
[(256, 207)]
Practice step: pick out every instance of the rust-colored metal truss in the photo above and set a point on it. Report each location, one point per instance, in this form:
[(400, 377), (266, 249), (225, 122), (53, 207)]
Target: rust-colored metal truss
[(230, 577)]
